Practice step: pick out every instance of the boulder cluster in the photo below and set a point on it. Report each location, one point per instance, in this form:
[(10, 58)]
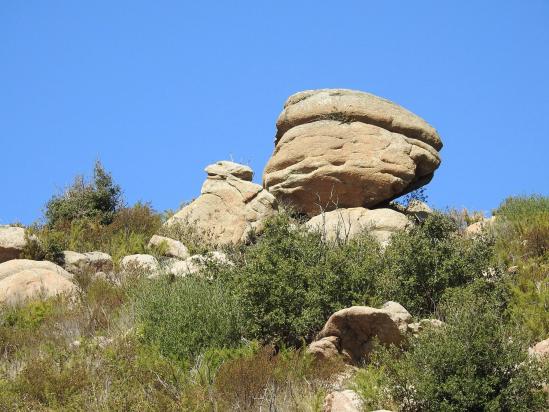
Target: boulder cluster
[(340, 156)]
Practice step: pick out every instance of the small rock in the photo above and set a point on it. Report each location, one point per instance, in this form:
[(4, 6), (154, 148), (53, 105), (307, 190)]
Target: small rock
[(99, 261), (226, 168), (175, 248), (419, 209), (12, 242), (140, 263), (540, 350), (343, 401), (423, 324)]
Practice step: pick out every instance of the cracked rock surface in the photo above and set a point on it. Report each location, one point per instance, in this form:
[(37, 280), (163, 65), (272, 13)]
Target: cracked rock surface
[(229, 207), (344, 148)]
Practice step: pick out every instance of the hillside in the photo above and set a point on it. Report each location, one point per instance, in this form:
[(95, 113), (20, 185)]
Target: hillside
[(332, 286)]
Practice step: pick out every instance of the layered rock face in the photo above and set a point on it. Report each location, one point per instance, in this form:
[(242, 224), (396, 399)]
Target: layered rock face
[(229, 207), (344, 148)]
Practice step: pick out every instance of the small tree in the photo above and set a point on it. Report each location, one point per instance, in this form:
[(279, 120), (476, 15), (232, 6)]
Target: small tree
[(99, 199)]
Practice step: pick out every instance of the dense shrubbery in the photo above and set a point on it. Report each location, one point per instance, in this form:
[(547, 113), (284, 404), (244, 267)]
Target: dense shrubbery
[(184, 317), (421, 264), (204, 342), (291, 281), (99, 199), (477, 361), (522, 240)]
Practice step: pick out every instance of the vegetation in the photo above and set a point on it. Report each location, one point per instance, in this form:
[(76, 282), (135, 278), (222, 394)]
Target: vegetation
[(232, 337), (477, 361)]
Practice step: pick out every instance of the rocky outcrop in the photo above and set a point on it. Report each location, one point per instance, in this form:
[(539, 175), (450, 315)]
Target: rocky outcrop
[(351, 332), (345, 224), (344, 148), (26, 279), (173, 248), (12, 242), (229, 207)]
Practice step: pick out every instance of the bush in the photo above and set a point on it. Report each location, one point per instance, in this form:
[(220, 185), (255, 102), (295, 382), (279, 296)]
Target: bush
[(477, 361), (522, 239), (421, 264), (99, 199), (292, 282), (187, 316)]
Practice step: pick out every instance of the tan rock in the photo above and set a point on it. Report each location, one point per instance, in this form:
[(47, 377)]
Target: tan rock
[(398, 314), (99, 261), (345, 224), (325, 348), (228, 208), (540, 350), (477, 228), (140, 263), (343, 148), (311, 105), (343, 401), (74, 262), (12, 242), (226, 168), (417, 327), (87, 263), (196, 263), (14, 266), (356, 328), (419, 209), (33, 283), (174, 247)]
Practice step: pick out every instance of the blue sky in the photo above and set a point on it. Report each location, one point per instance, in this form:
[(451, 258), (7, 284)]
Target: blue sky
[(158, 90)]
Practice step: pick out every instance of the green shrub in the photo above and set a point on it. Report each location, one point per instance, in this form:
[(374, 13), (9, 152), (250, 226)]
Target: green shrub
[(477, 361), (187, 316), (421, 264), (522, 240), (292, 282), (99, 199), (44, 244)]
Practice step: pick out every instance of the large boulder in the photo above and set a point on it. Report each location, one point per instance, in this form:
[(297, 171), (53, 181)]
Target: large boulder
[(12, 242), (345, 224), (229, 207), (173, 248), (345, 148), (352, 332), (26, 279), (14, 266)]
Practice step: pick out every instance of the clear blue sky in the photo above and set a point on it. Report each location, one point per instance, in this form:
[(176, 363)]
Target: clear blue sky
[(159, 89)]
